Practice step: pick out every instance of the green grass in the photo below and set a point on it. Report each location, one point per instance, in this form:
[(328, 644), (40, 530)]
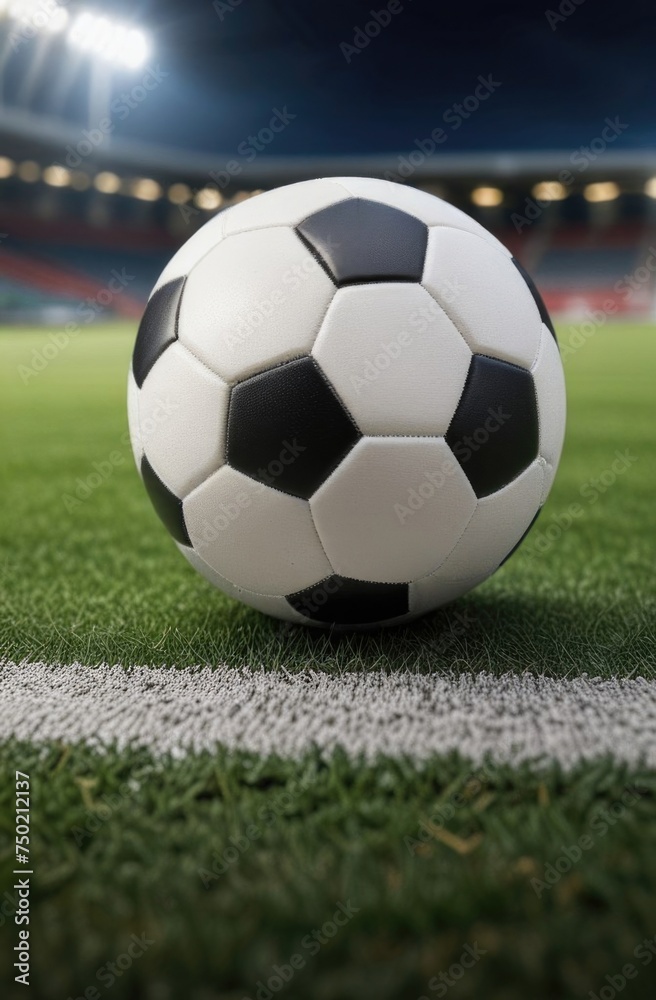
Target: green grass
[(119, 840), (113, 859), (102, 581)]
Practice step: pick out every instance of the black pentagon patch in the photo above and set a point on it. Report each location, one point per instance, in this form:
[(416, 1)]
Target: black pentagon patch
[(359, 241), (158, 328), (167, 506), (539, 301), (517, 544), (288, 428), (338, 600), (494, 431)]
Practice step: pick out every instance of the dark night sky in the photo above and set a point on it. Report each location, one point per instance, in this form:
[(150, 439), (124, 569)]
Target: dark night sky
[(227, 73)]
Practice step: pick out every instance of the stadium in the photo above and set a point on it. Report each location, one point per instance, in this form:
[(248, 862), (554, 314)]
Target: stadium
[(200, 800)]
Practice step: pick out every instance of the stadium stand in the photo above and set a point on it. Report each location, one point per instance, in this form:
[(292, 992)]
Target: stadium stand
[(64, 246)]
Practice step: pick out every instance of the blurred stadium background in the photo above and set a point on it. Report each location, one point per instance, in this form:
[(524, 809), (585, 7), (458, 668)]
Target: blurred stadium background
[(123, 128), (124, 125)]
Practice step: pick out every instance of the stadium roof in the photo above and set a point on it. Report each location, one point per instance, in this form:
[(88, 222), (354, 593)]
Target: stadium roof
[(354, 86), (29, 136)]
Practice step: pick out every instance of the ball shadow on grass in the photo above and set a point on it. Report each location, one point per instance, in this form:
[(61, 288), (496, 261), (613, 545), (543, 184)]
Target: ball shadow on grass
[(483, 631)]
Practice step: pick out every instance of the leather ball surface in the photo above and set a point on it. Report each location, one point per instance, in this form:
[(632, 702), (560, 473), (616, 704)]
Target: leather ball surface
[(346, 402)]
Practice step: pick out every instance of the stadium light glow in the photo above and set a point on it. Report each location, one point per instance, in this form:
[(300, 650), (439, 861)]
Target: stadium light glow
[(36, 15), (106, 182), (89, 32), (7, 167), (145, 189), (208, 199), (549, 191), (650, 187), (79, 180), (487, 197), (96, 35), (601, 191), (179, 194), (57, 176), (29, 171)]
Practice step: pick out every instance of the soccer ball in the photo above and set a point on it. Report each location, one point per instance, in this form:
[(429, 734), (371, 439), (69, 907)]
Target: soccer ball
[(346, 402)]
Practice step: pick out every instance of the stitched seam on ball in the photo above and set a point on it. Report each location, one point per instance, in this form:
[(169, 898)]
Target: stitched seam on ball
[(488, 238), (255, 593), (339, 400), (314, 253), (541, 348), (539, 461), (377, 199), (440, 304), (450, 318), (323, 547), (200, 361), (451, 550), (344, 188), (321, 322), (355, 579)]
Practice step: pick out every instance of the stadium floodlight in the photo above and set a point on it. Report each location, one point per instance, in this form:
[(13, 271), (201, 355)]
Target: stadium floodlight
[(35, 15), (208, 199), (80, 181), (29, 171), (487, 197), (7, 167), (179, 194), (145, 189), (57, 176), (115, 43), (601, 191), (549, 191), (650, 187), (107, 182)]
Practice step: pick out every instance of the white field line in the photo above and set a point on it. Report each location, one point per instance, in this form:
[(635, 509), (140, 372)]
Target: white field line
[(510, 718)]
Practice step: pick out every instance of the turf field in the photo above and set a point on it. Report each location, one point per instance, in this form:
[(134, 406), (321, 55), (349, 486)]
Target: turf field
[(443, 868)]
